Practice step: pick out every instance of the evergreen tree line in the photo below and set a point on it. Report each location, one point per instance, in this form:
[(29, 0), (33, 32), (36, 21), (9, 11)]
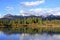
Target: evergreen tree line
[(30, 25)]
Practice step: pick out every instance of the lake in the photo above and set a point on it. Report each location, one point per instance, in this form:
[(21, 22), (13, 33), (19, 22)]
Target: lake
[(44, 36)]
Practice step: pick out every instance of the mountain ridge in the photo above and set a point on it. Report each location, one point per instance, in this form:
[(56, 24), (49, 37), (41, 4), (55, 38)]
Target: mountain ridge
[(50, 17)]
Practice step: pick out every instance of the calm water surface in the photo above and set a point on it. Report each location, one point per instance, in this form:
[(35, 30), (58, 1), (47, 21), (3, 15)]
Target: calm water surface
[(23, 36)]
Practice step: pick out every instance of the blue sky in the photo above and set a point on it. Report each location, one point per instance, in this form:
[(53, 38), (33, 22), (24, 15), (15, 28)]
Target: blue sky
[(29, 7)]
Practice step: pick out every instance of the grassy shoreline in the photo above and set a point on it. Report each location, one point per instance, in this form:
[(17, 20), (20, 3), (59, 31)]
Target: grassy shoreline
[(32, 30)]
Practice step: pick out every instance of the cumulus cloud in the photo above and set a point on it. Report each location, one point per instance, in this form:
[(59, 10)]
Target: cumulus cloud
[(22, 12), (26, 13), (55, 11), (41, 11), (32, 3)]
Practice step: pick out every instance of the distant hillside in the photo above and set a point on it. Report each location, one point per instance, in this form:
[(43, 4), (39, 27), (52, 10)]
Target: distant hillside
[(11, 17)]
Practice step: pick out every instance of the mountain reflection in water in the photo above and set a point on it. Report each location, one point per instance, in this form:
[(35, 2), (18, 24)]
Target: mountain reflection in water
[(23, 36)]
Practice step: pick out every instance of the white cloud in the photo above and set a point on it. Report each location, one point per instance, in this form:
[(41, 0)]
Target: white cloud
[(23, 13), (46, 11), (55, 11), (1, 16), (33, 3), (41, 11)]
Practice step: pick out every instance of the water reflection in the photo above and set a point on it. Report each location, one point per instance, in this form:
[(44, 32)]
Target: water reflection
[(23, 36), (8, 37)]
